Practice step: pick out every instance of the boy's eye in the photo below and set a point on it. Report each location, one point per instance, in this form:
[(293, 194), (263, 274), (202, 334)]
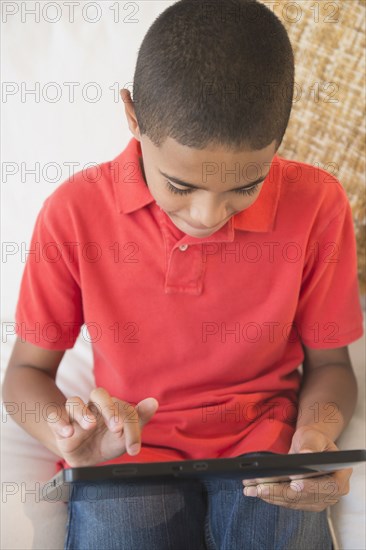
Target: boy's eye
[(248, 191), (174, 189)]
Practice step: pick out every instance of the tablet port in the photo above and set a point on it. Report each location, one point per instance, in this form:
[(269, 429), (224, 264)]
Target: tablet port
[(250, 464), (177, 468), (200, 466)]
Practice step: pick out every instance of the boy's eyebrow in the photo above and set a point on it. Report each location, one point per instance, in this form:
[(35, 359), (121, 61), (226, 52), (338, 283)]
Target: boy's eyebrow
[(180, 182)]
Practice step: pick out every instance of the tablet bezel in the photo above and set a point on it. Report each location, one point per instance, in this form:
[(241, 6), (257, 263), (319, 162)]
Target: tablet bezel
[(266, 466)]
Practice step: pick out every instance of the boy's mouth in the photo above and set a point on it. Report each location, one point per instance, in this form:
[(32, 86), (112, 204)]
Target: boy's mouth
[(202, 230)]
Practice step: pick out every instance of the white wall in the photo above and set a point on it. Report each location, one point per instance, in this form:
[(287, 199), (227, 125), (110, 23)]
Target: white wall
[(36, 129)]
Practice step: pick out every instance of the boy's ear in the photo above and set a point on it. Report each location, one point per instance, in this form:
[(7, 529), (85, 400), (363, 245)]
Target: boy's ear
[(130, 113), (125, 95)]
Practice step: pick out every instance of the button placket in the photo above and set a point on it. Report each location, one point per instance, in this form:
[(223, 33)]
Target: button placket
[(185, 271)]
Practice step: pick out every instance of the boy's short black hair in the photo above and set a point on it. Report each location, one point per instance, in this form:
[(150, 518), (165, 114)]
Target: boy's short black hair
[(215, 72)]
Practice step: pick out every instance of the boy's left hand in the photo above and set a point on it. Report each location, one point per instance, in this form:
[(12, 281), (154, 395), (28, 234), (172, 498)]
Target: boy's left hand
[(310, 494)]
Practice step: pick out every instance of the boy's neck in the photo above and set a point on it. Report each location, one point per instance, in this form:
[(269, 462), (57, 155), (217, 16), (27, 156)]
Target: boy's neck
[(142, 169)]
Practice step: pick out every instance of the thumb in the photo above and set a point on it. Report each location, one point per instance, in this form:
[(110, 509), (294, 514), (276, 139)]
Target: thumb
[(146, 409), (310, 440)]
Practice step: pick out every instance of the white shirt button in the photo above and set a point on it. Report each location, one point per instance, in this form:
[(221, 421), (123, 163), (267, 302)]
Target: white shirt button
[(183, 247)]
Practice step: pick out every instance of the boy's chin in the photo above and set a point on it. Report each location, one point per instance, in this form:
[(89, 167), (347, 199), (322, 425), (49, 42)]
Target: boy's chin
[(192, 231)]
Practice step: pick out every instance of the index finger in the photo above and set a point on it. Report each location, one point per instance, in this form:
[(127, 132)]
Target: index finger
[(119, 416)]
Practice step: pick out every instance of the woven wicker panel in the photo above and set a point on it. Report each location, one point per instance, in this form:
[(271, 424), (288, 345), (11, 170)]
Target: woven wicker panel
[(327, 124)]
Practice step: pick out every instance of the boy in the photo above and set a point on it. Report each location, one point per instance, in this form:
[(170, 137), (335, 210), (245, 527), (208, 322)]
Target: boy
[(207, 269)]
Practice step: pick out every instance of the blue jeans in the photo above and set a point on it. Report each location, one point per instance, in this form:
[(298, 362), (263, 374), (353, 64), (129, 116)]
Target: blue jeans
[(186, 515)]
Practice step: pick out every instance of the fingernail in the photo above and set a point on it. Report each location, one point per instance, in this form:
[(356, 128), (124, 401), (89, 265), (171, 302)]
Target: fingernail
[(66, 430), (250, 491), (297, 486), (134, 449)]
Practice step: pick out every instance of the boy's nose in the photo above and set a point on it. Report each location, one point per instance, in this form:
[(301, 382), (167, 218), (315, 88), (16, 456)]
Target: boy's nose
[(208, 215)]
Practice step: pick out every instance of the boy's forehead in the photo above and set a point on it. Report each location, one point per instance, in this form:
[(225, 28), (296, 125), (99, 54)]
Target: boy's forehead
[(175, 158)]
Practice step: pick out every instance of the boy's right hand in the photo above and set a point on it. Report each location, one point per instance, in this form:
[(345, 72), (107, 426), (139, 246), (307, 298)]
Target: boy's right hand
[(104, 428)]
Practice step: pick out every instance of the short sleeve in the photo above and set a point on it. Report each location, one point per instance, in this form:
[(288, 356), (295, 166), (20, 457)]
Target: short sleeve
[(329, 313), (49, 311)]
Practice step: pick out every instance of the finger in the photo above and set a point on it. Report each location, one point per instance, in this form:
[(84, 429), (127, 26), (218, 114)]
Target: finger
[(313, 486), (146, 409), (59, 422), (258, 480), (303, 476), (113, 410), (101, 401), (119, 416), (318, 484), (79, 412), (280, 493), (135, 419), (299, 501), (297, 496), (250, 482), (127, 416)]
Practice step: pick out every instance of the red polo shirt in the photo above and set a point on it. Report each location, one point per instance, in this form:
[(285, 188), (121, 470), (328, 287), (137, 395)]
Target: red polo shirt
[(211, 327)]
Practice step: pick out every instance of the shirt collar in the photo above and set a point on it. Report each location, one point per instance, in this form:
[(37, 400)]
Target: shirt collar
[(261, 215), (132, 193)]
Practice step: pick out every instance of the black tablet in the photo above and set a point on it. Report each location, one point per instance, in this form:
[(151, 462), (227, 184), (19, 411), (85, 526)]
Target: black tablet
[(272, 467)]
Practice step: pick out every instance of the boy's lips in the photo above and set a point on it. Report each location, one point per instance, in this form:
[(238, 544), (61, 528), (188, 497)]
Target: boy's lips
[(201, 229), (204, 228), (201, 226)]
